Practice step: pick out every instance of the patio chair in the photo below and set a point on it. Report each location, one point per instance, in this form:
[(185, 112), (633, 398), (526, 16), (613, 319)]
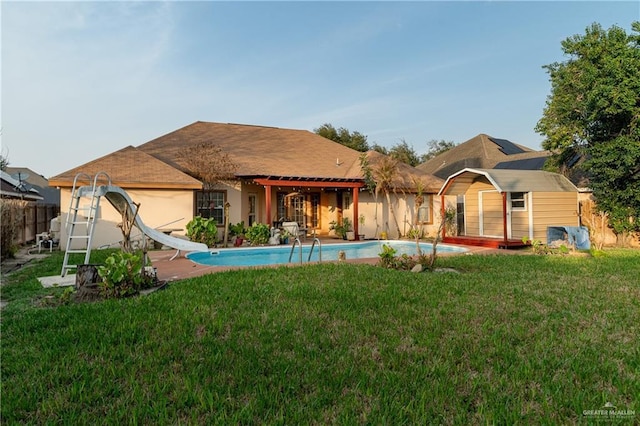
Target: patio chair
[(294, 229)]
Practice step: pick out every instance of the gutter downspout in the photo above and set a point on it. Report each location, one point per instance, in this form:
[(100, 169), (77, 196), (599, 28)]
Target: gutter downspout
[(442, 210)]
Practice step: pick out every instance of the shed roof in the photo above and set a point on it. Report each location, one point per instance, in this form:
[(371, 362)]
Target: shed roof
[(505, 180)]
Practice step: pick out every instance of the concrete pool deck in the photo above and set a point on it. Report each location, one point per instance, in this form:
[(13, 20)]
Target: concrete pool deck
[(181, 268)]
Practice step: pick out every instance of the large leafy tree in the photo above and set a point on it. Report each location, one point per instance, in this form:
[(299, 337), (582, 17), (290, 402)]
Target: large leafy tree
[(593, 112), (436, 147), (354, 140), (404, 152)]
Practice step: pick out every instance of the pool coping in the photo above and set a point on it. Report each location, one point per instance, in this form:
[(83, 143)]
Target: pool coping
[(179, 268)]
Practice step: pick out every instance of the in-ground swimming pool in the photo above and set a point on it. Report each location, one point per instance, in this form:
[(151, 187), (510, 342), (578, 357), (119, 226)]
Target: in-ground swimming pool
[(274, 255)]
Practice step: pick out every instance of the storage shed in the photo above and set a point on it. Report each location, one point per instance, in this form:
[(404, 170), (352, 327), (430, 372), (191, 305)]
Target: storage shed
[(498, 207)]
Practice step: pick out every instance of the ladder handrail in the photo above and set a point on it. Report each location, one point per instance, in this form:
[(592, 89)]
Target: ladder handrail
[(293, 246), (74, 206), (95, 179), (315, 239), (74, 188)]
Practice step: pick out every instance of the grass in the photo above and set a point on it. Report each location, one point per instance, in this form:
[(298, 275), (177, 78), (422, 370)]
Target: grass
[(512, 339)]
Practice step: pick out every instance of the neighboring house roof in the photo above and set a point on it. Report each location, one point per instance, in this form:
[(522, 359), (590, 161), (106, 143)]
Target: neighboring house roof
[(508, 181), (534, 163), (51, 195), (260, 150), (131, 168), (12, 188), (484, 151)]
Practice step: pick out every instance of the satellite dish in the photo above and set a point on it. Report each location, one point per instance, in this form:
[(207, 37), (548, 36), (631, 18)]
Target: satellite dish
[(20, 176), (24, 187)]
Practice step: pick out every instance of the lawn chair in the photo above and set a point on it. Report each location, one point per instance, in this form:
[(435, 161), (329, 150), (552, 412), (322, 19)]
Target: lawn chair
[(294, 229)]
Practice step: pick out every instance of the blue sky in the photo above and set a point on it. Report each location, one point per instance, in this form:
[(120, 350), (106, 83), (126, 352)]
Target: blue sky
[(83, 79)]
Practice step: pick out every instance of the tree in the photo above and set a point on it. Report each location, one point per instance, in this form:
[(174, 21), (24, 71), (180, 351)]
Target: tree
[(4, 162), (436, 147), (404, 152), (209, 163), (354, 140), (379, 148), (385, 173), (593, 111)]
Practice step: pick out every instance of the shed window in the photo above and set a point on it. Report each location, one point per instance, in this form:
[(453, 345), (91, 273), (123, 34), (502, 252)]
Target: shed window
[(518, 201)]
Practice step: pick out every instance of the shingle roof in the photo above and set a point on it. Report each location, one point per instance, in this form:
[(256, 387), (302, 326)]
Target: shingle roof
[(257, 151), (483, 151), (406, 174), (131, 168), (11, 188), (260, 150), (50, 195), (508, 181)]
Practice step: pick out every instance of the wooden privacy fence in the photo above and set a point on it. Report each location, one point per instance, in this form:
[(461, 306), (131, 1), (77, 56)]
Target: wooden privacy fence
[(23, 220)]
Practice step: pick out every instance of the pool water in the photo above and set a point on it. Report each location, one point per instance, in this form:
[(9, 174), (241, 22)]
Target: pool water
[(275, 255)]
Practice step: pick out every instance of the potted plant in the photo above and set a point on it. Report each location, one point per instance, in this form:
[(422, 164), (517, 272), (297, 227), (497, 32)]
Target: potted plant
[(361, 220), (237, 233), (343, 229), (284, 236), (348, 229)]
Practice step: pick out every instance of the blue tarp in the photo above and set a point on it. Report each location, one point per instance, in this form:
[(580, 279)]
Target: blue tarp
[(577, 236)]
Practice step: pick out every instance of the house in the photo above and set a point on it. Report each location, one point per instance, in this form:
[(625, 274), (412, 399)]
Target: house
[(278, 175), (498, 207), (50, 195), (17, 189), (484, 152), (24, 212)]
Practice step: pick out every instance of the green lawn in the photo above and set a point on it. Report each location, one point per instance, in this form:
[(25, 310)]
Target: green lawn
[(511, 339)]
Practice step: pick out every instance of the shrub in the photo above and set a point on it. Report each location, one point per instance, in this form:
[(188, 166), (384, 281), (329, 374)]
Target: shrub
[(123, 275), (258, 233), (404, 262), (11, 211), (203, 230), (341, 229), (237, 229)]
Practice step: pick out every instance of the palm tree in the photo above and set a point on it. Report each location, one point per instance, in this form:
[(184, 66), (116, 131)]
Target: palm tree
[(385, 174)]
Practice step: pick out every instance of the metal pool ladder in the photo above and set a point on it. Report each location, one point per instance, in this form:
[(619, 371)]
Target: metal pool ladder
[(299, 244)]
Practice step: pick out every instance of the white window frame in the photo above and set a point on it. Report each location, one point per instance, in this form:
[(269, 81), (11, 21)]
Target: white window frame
[(523, 199)]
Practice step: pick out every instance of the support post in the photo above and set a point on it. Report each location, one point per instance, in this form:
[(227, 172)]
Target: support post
[(355, 213), (442, 213), (267, 197), (504, 217)]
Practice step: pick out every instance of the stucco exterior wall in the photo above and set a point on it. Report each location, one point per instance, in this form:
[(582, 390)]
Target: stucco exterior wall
[(381, 220), (158, 209)]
